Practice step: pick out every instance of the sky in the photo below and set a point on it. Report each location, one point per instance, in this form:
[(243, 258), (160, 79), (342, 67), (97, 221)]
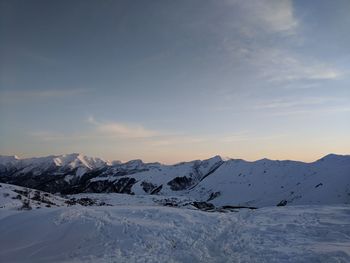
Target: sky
[(171, 81)]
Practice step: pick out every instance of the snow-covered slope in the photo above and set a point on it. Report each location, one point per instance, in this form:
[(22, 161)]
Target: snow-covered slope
[(21, 198), (218, 181), (112, 227), (161, 234), (266, 182)]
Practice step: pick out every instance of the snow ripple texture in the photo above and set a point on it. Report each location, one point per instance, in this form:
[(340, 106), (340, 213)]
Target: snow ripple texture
[(162, 234)]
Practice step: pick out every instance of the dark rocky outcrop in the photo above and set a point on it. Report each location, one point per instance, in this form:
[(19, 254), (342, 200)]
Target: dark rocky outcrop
[(180, 183), (148, 187), (282, 203), (124, 185), (203, 206), (229, 207), (157, 190), (213, 196)]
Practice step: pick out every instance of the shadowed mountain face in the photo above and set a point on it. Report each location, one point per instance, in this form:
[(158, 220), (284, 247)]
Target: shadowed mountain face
[(221, 182)]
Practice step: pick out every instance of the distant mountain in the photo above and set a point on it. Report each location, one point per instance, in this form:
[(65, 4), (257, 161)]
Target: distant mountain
[(222, 182)]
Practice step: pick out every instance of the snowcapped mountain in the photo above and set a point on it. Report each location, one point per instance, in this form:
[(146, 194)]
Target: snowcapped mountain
[(222, 182), (51, 173), (53, 162)]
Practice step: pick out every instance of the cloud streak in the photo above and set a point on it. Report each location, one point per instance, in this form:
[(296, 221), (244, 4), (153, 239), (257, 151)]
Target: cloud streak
[(122, 130), (114, 131), (298, 102), (269, 16), (12, 95)]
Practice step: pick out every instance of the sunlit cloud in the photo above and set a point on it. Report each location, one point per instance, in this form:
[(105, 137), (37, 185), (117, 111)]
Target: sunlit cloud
[(122, 130), (114, 131)]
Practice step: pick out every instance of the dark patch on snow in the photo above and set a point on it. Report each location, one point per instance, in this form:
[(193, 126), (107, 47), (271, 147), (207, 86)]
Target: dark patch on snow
[(85, 201), (213, 196), (124, 185), (148, 187), (238, 207), (282, 203), (180, 183), (104, 186), (320, 184), (203, 206), (157, 190)]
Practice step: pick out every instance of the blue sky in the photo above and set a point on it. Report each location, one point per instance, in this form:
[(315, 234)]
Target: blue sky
[(175, 80)]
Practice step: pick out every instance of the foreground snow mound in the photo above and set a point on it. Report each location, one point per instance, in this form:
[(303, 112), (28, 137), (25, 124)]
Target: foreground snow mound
[(161, 234)]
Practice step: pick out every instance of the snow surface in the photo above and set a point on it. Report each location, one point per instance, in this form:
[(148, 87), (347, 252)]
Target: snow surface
[(138, 228), (162, 234)]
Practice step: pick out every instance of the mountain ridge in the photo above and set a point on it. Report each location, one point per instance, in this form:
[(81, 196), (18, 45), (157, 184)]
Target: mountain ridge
[(217, 180), (4, 157)]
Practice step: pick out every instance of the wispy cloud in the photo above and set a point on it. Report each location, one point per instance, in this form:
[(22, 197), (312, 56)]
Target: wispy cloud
[(264, 37), (47, 136), (103, 130), (116, 131), (280, 65), (41, 94), (310, 111), (265, 15), (297, 102), (54, 136), (303, 106), (122, 130)]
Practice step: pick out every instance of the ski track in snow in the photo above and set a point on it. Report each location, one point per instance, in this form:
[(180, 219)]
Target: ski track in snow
[(162, 234)]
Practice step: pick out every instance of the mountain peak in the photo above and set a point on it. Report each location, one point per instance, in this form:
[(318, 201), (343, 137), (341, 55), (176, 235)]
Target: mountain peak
[(8, 159), (216, 158), (333, 157)]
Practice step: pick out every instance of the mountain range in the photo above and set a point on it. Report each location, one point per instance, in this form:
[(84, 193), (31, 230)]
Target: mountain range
[(218, 181)]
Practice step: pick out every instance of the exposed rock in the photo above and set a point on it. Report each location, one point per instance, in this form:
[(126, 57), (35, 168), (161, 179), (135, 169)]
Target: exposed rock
[(124, 185), (157, 190), (229, 207), (180, 183), (282, 203), (148, 187), (213, 196), (203, 206)]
